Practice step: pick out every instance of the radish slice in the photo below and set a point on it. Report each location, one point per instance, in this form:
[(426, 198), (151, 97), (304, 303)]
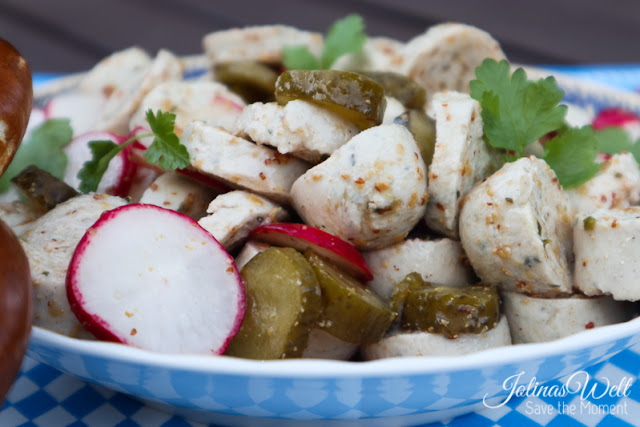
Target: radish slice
[(154, 279), (615, 117), (83, 109), (301, 237), (118, 177)]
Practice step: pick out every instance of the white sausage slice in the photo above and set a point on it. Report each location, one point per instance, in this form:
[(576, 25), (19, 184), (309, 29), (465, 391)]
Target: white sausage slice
[(215, 152), (370, 192), (534, 319), (259, 43), (616, 185), (427, 344), (516, 228), (461, 158), (49, 243), (606, 244), (440, 261), (445, 57), (322, 345), (235, 214), (299, 128)]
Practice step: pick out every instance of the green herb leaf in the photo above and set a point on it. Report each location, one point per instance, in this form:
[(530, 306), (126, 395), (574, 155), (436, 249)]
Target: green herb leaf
[(42, 148), (613, 140), (345, 36), (92, 171), (165, 149), (572, 156), (516, 111), (299, 58)]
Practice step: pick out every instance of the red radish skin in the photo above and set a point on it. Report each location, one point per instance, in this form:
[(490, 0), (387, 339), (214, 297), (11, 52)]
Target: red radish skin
[(301, 237), (84, 296), (613, 117), (117, 179)]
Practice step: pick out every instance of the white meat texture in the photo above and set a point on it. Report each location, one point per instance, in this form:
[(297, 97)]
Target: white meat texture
[(241, 163), (461, 158), (440, 261), (516, 229), (49, 243), (616, 185), (606, 244), (370, 192), (208, 101), (235, 214), (299, 128)]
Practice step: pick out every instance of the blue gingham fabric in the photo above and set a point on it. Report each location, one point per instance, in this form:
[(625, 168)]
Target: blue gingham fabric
[(45, 397)]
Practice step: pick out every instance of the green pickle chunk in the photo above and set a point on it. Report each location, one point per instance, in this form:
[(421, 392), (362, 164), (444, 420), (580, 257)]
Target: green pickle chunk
[(283, 303), (401, 87), (423, 129), (354, 96), (448, 310), (253, 81), (351, 312)]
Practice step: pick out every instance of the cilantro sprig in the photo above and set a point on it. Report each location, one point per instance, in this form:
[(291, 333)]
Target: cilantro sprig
[(42, 148), (345, 36), (165, 150), (517, 111)]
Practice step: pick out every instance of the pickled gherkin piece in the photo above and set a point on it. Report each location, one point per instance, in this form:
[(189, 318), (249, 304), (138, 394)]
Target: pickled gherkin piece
[(451, 310), (402, 289), (423, 129), (253, 81), (350, 311), (401, 87), (43, 189), (354, 96), (283, 303)]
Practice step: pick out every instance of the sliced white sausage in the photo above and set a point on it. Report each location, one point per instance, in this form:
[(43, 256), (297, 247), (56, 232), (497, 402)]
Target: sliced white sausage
[(211, 102), (249, 250), (214, 151), (322, 345), (259, 43), (235, 214), (18, 214), (616, 185), (445, 57), (516, 229), (461, 158), (179, 193), (534, 319), (607, 244), (378, 54), (300, 128), (49, 243), (392, 111), (370, 192), (406, 344), (440, 261), (115, 71), (126, 98)]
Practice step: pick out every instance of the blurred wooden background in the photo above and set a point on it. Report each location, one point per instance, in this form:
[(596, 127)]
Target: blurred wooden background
[(71, 35)]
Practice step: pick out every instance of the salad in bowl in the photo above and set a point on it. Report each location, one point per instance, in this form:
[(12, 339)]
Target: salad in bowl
[(290, 195)]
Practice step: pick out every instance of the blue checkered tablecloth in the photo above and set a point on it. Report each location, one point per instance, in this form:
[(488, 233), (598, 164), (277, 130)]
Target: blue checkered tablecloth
[(45, 397)]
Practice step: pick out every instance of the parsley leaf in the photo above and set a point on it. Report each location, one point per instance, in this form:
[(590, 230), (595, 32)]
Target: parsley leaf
[(613, 140), (572, 156), (516, 111), (92, 171), (299, 58), (42, 148), (345, 36), (166, 150)]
